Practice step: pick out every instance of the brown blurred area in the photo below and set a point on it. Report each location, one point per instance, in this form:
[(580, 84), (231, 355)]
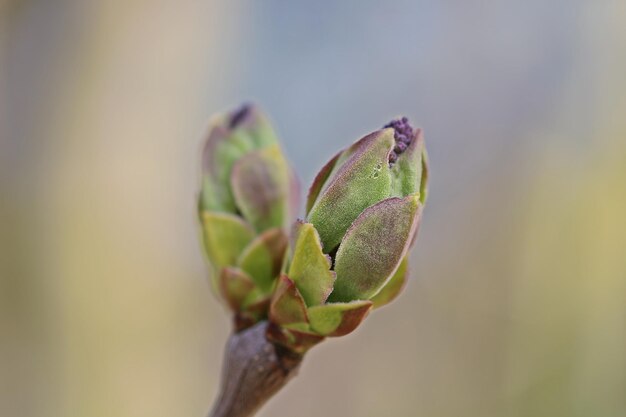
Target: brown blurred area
[(516, 303)]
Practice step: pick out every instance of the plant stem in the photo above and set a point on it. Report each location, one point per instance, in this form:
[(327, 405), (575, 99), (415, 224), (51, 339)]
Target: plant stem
[(254, 370)]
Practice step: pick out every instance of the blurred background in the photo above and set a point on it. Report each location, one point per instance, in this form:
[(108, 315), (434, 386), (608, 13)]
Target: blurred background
[(516, 306)]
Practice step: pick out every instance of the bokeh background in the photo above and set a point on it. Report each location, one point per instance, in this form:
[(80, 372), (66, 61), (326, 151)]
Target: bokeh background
[(516, 306)]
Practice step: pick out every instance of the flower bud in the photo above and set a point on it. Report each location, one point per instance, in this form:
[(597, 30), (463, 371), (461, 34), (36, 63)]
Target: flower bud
[(248, 196), (363, 213), (366, 203)]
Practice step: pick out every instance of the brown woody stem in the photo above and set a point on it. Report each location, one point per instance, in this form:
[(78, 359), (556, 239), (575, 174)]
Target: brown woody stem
[(254, 370)]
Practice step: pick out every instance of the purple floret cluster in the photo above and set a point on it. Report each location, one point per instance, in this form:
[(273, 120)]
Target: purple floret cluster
[(403, 135)]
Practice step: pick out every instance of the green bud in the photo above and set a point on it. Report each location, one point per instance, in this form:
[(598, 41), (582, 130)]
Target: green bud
[(366, 205), (363, 212), (248, 197)]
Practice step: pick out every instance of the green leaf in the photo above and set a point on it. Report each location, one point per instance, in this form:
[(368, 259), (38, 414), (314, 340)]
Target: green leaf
[(287, 306), (338, 319), (374, 246), (261, 185), (235, 286), (360, 181), (310, 268), (300, 327), (262, 258), (391, 290), (225, 237)]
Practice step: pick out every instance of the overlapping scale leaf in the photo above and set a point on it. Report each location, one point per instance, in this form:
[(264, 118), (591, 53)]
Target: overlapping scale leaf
[(287, 306), (338, 319), (261, 186), (358, 182), (253, 310), (235, 286), (225, 237), (394, 286), (298, 341), (222, 149), (262, 258), (310, 268), (373, 248)]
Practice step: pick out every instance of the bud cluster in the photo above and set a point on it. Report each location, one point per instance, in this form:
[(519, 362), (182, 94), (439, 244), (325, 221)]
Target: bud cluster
[(347, 256)]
